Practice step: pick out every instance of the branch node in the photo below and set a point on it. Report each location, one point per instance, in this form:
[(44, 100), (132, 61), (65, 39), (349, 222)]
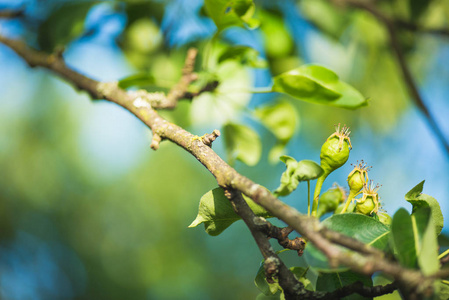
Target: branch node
[(271, 268), (155, 141), (106, 89), (208, 138)]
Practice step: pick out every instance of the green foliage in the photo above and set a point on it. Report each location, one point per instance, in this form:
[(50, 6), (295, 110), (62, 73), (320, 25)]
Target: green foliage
[(317, 84), (417, 199), (330, 200), (217, 214), (361, 227), (274, 288), (329, 282), (137, 80), (245, 55), (227, 13), (414, 240), (242, 143), (296, 172), (63, 25), (281, 118)]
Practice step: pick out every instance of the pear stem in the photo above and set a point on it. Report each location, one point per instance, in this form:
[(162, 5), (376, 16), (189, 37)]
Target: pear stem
[(308, 197), (443, 254), (316, 194), (351, 196)]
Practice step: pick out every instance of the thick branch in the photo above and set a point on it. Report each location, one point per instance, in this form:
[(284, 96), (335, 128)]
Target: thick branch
[(366, 263), (274, 267)]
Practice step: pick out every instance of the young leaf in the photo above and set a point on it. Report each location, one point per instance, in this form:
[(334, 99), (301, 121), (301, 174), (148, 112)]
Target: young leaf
[(441, 291), (358, 226), (63, 25), (415, 240), (226, 13), (404, 237), (261, 283), (242, 143), (138, 80), (245, 55), (428, 246), (329, 282), (280, 118), (296, 172), (269, 289), (417, 199), (217, 214), (317, 84), (301, 274)]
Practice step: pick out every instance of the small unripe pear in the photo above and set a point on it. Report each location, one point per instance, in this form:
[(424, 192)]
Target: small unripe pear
[(358, 177), (369, 202), (335, 151)]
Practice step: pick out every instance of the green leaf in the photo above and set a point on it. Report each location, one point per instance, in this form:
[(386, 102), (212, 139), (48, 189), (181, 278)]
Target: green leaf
[(323, 15), (277, 39), (404, 237), (276, 152), (280, 118), (428, 244), (329, 282), (63, 25), (418, 8), (441, 291), (261, 283), (330, 200), (417, 199), (269, 289), (414, 240), (277, 296), (226, 13), (217, 214), (443, 240), (317, 84), (361, 227), (296, 172), (245, 55), (137, 80), (242, 143), (301, 274)]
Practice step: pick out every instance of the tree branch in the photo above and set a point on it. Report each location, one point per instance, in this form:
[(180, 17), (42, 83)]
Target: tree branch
[(274, 267), (11, 13), (366, 262), (416, 28), (359, 288)]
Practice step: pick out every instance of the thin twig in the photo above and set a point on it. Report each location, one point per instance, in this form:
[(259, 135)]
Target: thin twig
[(11, 13), (406, 73), (420, 29)]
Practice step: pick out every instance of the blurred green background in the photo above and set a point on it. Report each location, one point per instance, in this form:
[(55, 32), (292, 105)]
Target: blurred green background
[(89, 211)]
